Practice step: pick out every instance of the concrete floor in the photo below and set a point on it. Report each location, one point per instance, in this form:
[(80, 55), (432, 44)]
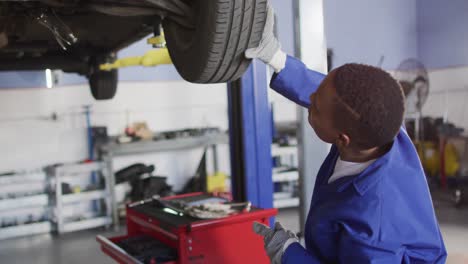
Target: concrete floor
[(454, 226), (74, 248), (82, 248)]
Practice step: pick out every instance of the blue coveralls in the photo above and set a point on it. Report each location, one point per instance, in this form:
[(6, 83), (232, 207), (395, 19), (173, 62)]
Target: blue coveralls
[(382, 215)]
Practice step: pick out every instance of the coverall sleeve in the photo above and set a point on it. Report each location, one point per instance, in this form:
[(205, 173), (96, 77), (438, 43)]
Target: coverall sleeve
[(296, 82), (353, 248), (296, 254)]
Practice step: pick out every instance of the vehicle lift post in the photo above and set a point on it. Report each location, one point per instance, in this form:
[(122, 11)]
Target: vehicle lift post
[(250, 131)]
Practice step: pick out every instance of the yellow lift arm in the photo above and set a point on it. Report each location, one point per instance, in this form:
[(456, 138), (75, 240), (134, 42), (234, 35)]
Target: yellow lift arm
[(151, 58)]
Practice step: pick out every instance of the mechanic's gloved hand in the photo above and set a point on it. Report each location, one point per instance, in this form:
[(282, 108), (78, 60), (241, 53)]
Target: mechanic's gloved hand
[(269, 49), (276, 240)]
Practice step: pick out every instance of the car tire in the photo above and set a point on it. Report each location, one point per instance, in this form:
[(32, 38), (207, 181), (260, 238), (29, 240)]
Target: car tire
[(213, 52), (103, 84)]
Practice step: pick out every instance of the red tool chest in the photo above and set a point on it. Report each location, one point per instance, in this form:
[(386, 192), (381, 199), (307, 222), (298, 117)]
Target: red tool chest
[(182, 239)]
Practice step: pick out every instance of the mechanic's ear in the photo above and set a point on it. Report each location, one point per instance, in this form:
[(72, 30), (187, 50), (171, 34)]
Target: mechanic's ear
[(343, 140)]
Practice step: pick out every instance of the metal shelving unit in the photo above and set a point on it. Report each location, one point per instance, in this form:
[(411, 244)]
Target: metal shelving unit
[(286, 175), (20, 204), (84, 196), (25, 230), (73, 226), (286, 202), (166, 145), (38, 175), (108, 152), (103, 217), (277, 150), (40, 200)]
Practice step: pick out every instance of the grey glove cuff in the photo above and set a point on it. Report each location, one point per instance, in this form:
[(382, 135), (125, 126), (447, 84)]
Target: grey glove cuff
[(288, 243), (277, 241), (278, 62)]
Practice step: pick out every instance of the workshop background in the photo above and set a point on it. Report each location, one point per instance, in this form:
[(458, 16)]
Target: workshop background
[(45, 119)]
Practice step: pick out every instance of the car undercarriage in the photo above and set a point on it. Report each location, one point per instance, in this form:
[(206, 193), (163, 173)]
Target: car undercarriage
[(205, 38)]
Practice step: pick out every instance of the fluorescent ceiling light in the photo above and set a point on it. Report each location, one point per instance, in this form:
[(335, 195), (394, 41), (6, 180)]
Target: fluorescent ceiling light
[(49, 82)]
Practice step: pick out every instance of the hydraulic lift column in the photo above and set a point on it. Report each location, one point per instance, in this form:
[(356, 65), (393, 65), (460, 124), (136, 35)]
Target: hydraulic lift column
[(250, 129)]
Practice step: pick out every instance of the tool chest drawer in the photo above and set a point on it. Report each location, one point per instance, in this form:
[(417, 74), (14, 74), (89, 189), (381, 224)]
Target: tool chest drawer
[(140, 249), (158, 232)]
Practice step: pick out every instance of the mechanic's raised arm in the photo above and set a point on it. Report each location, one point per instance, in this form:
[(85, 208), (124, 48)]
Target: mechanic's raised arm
[(296, 82), (292, 79)]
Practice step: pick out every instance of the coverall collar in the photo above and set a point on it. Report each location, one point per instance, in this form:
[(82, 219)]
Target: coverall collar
[(367, 178)]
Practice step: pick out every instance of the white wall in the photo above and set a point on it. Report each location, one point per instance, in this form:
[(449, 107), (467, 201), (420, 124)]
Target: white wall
[(27, 140), (433, 31), (364, 30), (448, 95), (442, 45), (442, 33)]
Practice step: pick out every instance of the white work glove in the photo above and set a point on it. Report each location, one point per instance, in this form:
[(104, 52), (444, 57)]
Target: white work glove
[(276, 240), (269, 50)]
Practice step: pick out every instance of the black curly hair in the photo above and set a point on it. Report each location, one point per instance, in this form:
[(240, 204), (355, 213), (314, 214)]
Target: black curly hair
[(370, 105)]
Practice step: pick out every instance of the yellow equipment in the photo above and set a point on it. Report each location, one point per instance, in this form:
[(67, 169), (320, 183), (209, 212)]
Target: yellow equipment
[(429, 154), (151, 58), (157, 41), (452, 160), (216, 182)]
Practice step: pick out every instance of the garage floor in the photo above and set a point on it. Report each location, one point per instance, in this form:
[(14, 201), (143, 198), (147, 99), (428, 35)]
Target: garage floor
[(82, 248), (73, 248)]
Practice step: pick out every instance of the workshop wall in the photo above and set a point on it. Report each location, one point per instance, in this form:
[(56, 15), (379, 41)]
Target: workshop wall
[(432, 31), (365, 30), (443, 35), (448, 96), (443, 48), (29, 139)]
